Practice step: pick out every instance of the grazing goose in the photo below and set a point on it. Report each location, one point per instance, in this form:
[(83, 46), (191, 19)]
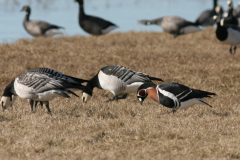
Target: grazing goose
[(227, 34), (93, 25), (172, 95), (39, 28), (118, 80), (41, 84), (205, 19), (173, 25)]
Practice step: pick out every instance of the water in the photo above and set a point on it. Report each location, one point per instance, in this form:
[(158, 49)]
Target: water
[(124, 13)]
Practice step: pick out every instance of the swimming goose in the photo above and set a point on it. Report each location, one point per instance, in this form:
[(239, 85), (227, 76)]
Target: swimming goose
[(39, 28), (173, 25), (227, 34), (205, 19), (172, 95), (41, 84), (118, 80), (93, 25)]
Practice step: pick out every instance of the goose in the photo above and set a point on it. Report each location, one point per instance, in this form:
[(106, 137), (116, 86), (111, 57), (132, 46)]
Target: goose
[(230, 19), (118, 80), (227, 34), (236, 11), (205, 18), (172, 95), (173, 24), (93, 25), (41, 85), (39, 28)]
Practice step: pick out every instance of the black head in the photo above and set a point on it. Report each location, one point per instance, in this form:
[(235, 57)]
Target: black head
[(26, 9), (79, 1), (142, 91), (230, 4)]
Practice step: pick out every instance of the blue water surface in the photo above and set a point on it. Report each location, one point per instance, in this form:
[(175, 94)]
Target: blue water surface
[(124, 13)]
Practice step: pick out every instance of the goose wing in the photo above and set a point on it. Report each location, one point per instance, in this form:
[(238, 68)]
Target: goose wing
[(43, 79), (127, 75), (99, 21)]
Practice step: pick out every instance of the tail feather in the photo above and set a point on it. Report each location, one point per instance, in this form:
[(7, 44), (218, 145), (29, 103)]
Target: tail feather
[(201, 100), (57, 27), (155, 79), (206, 94), (70, 91)]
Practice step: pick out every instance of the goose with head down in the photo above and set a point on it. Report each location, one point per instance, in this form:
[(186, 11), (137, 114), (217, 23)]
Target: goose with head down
[(41, 84), (118, 80), (173, 95)]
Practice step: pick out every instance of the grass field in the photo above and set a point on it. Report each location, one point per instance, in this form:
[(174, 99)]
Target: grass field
[(125, 129)]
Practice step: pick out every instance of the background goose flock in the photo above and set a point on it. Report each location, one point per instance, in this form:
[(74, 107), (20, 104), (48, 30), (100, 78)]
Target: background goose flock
[(108, 74)]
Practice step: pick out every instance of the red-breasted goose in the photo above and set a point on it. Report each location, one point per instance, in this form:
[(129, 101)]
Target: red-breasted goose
[(172, 95)]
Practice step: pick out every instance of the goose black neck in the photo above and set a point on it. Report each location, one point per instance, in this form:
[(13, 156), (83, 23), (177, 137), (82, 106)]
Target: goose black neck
[(27, 16), (214, 4), (9, 90), (81, 11)]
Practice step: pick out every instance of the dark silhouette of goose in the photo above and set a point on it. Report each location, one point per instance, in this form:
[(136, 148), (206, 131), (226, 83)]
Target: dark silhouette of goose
[(173, 24), (39, 28), (205, 18), (93, 25)]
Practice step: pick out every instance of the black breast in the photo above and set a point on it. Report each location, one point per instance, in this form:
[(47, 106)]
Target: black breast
[(221, 33)]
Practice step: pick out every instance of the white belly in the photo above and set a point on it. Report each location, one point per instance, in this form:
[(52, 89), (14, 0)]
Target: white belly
[(52, 32), (109, 29)]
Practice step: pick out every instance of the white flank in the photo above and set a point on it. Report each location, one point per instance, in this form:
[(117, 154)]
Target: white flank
[(233, 37), (190, 29), (109, 29), (115, 85), (111, 83), (52, 32), (23, 91), (132, 87), (190, 102), (26, 92), (169, 95)]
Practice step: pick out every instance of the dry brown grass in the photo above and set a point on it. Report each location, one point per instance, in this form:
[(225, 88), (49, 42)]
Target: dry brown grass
[(125, 129)]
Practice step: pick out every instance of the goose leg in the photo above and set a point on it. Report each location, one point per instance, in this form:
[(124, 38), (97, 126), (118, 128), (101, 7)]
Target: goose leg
[(47, 106), (31, 103), (36, 102), (41, 103), (112, 99), (230, 49), (117, 98), (234, 49)]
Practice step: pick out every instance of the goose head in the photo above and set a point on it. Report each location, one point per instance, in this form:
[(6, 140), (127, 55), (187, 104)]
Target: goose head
[(26, 9)]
